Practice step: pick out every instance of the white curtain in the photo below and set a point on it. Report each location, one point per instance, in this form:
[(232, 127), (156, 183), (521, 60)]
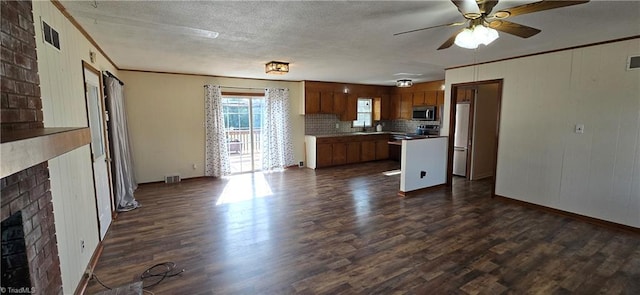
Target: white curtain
[(276, 147), (124, 182), (216, 148)]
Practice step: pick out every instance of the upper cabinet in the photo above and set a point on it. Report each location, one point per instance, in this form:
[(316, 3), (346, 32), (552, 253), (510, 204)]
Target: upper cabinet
[(318, 102), (402, 100), (381, 108), (389, 103), (311, 102), (465, 94)]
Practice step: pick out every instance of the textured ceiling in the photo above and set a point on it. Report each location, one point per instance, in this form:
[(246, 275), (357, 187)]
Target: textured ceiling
[(346, 41)]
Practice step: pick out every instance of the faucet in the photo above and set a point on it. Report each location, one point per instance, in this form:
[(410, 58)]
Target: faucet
[(364, 128)]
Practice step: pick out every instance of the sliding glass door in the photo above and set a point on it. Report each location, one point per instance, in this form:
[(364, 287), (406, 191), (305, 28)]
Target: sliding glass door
[(243, 119)]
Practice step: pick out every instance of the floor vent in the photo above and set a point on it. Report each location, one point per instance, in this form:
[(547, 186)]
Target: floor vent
[(172, 179)]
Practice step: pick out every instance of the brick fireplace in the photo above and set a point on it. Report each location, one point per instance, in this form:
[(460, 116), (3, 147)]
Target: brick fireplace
[(26, 192)]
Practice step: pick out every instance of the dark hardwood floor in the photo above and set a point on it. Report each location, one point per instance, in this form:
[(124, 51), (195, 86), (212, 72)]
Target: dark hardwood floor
[(343, 230)]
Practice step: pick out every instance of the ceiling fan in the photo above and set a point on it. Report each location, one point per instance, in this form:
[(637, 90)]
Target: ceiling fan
[(482, 24)]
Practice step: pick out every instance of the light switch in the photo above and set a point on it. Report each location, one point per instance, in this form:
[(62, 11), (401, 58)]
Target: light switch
[(579, 128)]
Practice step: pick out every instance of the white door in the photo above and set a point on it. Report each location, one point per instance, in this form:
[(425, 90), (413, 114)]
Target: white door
[(98, 150)]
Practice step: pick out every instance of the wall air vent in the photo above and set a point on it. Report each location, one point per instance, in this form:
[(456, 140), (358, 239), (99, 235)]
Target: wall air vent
[(172, 179), (633, 62), (50, 35)]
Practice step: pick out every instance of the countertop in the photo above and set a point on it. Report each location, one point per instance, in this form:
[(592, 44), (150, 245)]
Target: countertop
[(352, 134), (407, 136)]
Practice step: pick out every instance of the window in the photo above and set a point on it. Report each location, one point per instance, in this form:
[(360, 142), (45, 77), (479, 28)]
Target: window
[(236, 113), (365, 109)]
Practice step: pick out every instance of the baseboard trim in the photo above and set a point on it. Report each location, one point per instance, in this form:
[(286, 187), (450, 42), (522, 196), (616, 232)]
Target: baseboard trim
[(575, 216), (84, 281), (422, 190)]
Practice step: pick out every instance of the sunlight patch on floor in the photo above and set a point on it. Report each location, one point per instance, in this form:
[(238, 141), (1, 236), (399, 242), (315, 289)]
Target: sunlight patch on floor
[(244, 187), (392, 172)]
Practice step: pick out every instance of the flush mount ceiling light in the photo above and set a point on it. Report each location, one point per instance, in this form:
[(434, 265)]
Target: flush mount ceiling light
[(404, 83), (471, 37), (276, 68)]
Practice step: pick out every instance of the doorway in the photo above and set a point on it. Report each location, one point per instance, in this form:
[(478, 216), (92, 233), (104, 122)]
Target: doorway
[(243, 125), (99, 152), (474, 130)]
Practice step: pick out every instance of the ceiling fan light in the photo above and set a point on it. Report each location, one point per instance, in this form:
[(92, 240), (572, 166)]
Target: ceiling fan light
[(484, 35), (492, 35), (465, 39)]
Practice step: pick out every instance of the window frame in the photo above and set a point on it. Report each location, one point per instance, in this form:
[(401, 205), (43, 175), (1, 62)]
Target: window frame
[(354, 123)]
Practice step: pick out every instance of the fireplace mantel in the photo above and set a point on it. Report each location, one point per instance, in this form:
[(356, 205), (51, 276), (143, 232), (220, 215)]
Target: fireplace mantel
[(21, 149)]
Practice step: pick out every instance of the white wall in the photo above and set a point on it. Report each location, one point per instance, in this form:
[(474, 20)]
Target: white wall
[(540, 158), (63, 103), (165, 113)]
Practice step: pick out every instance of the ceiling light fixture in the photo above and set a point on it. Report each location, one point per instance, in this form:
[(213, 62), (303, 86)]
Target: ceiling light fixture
[(404, 83), (475, 35), (276, 67)]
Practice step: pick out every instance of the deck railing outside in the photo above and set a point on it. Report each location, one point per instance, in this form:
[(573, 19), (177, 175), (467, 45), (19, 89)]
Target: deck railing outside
[(240, 141)]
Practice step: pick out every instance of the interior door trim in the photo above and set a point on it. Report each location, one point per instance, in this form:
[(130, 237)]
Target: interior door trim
[(87, 66), (452, 116)]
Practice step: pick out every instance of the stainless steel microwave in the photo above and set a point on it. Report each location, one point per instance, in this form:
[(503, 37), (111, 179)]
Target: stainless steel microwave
[(424, 113)]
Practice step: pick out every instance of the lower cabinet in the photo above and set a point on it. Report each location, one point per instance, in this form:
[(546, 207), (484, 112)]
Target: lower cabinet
[(353, 152), (339, 154), (324, 153), (340, 150), (368, 151), (382, 149)]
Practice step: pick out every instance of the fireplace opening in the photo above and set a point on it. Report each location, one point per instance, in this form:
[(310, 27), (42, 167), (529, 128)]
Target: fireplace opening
[(15, 265)]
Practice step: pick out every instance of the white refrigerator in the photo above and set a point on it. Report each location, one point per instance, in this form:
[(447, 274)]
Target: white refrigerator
[(461, 137)]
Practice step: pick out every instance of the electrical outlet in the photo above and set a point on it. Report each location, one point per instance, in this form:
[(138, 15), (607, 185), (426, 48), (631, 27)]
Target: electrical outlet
[(301, 164), (195, 166), (81, 246), (337, 125), (579, 128)]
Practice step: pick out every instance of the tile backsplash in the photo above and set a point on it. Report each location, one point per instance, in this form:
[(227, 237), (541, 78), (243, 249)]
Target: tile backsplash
[(317, 124)]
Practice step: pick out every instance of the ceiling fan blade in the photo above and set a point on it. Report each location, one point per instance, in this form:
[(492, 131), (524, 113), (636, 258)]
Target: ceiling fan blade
[(450, 41), (513, 28), (537, 6), (438, 26), (467, 7), (487, 5)]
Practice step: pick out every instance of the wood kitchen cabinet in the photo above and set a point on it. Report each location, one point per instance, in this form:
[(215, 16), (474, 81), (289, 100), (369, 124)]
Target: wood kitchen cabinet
[(353, 152), (340, 150), (381, 108), (406, 106), (316, 102), (312, 102), (324, 154), (382, 149), (431, 98), (465, 94), (368, 151), (418, 98), (339, 153), (350, 112), (394, 106), (326, 102), (339, 103)]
